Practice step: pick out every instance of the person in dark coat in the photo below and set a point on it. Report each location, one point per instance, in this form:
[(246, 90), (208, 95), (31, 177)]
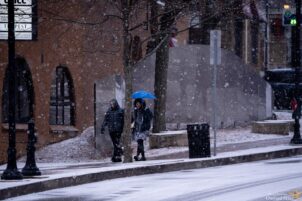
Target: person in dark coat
[(141, 118), (114, 120)]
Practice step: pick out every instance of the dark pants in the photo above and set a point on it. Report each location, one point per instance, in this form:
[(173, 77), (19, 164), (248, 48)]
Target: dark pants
[(140, 148), (116, 138)]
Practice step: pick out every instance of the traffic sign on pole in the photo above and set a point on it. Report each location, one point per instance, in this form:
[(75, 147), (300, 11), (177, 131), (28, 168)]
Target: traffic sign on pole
[(215, 50), (215, 59)]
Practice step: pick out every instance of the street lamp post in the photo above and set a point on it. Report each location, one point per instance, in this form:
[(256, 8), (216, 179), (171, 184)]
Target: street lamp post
[(266, 36), (296, 63), (30, 168), (11, 172)]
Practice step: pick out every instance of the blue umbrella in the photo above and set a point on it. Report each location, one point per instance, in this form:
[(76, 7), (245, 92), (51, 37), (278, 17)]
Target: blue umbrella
[(143, 94)]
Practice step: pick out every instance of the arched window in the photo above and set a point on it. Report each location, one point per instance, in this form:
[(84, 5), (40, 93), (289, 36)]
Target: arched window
[(62, 104), (24, 93)]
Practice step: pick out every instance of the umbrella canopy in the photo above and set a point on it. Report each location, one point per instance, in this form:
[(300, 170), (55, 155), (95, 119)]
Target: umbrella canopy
[(143, 94)]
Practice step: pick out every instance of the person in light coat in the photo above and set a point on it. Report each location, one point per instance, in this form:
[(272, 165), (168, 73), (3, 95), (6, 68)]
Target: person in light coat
[(141, 118)]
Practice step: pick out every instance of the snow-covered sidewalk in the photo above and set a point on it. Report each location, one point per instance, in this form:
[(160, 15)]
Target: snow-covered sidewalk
[(71, 174), (82, 148), (76, 161)]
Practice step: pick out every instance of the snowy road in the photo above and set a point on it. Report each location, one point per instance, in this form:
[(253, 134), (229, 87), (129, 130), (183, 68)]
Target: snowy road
[(279, 179)]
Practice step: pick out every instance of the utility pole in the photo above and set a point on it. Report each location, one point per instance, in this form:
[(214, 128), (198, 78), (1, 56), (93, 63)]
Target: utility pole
[(296, 63), (11, 172), (266, 36)]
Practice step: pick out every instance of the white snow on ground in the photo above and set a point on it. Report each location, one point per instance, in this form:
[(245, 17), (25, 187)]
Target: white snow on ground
[(284, 115), (51, 171), (224, 136), (263, 180), (82, 148)]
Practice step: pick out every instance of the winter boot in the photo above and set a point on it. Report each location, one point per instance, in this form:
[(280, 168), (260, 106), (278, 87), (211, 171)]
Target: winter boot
[(136, 158), (113, 159), (143, 158), (118, 159)]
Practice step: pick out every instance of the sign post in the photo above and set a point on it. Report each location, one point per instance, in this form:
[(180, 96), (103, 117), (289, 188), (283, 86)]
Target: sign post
[(215, 59), (11, 172), (18, 21)]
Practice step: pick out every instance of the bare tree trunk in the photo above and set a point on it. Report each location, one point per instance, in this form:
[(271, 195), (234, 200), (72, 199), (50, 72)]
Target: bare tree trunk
[(160, 87), (161, 71), (128, 70), (127, 122), (153, 26)]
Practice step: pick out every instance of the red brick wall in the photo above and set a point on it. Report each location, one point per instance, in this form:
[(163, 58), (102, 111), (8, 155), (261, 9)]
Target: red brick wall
[(63, 43)]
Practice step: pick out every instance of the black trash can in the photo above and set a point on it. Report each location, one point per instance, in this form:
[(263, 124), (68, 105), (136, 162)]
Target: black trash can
[(199, 140)]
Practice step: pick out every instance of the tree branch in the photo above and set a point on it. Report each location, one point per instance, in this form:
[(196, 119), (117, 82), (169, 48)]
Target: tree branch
[(155, 17), (153, 50), (61, 18)]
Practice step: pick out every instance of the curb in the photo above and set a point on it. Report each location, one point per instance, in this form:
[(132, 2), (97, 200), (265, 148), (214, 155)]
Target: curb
[(136, 171)]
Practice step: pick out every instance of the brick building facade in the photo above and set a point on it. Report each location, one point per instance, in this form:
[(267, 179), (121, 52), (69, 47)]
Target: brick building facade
[(57, 71), (76, 46)]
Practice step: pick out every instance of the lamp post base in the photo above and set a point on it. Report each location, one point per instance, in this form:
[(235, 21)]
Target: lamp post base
[(296, 141), (31, 168), (11, 174), (297, 136), (33, 171)]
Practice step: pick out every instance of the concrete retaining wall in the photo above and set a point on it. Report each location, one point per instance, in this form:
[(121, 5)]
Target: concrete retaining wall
[(160, 140), (240, 89), (281, 127)]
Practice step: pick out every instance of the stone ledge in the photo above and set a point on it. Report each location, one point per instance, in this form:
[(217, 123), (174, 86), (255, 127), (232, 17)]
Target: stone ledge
[(168, 139), (281, 127), (19, 127), (62, 132)]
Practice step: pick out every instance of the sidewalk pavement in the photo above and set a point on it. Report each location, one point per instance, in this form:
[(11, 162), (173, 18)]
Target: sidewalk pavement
[(61, 175)]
